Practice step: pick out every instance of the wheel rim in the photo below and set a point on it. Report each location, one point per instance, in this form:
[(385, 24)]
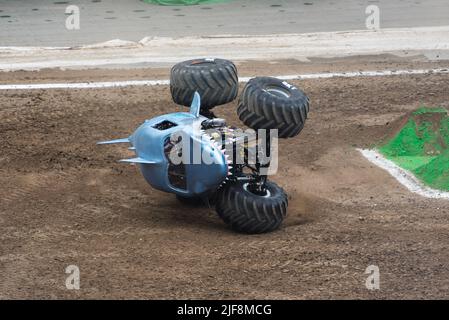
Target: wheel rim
[(266, 195)]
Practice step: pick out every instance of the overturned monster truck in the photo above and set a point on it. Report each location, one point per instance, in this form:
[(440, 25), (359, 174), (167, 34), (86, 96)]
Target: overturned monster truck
[(201, 159)]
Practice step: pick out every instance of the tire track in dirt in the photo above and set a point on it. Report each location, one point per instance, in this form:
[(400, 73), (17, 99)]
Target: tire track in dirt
[(30, 185)]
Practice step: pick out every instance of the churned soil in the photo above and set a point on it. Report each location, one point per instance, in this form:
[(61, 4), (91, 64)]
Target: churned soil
[(66, 201)]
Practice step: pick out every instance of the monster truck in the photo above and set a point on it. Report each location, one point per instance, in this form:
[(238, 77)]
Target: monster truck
[(201, 159)]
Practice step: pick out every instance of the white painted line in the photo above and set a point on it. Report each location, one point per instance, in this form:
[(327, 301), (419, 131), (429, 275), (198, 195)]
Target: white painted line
[(113, 84), (84, 85), (404, 177)]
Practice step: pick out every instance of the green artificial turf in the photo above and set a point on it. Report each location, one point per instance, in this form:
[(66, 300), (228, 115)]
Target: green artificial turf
[(422, 147), (182, 2)]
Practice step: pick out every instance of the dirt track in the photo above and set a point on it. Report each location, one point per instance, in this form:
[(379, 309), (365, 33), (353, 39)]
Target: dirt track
[(65, 201)]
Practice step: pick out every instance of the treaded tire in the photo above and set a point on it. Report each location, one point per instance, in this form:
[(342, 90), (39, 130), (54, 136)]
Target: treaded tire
[(270, 103), (249, 213), (216, 81)]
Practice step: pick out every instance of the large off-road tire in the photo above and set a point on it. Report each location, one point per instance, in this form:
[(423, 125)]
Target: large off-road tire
[(248, 212), (270, 103), (215, 80)]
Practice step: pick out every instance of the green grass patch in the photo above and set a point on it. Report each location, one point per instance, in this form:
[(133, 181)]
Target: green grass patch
[(422, 147)]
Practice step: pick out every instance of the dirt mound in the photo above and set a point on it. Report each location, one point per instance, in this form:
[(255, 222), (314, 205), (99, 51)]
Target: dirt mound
[(421, 146), (436, 172), (423, 133)]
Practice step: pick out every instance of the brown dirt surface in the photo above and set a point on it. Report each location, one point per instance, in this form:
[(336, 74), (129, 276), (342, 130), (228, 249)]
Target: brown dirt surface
[(245, 69), (65, 200)]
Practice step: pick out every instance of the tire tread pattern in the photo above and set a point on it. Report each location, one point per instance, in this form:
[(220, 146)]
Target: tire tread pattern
[(217, 82), (249, 213), (258, 109)]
